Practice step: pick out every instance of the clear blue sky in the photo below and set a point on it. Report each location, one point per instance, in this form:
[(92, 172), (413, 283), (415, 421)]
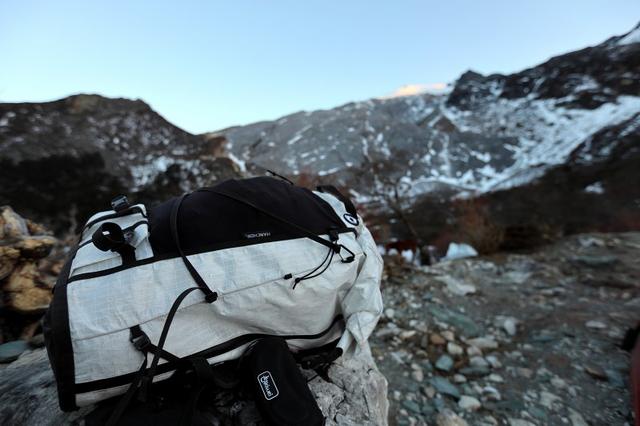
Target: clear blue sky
[(207, 65)]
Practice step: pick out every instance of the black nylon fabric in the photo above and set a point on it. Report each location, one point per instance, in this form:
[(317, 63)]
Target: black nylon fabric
[(281, 392), (55, 326), (208, 218)]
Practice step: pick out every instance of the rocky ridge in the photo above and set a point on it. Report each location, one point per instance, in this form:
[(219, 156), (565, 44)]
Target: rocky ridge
[(490, 132), (64, 160)]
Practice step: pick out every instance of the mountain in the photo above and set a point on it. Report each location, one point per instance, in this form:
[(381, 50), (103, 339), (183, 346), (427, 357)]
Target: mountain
[(489, 133), (565, 130), (61, 161)]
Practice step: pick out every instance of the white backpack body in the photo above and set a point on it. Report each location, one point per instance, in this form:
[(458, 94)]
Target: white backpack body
[(250, 243)]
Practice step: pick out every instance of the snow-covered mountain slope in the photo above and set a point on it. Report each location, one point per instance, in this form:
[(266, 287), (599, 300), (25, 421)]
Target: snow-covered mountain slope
[(488, 133)]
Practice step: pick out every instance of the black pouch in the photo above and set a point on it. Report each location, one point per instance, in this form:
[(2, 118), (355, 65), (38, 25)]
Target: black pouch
[(281, 392)]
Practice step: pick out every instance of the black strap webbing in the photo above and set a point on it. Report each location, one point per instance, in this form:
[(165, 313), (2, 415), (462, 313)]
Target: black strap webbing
[(123, 403), (209, 295), (142, 343), (308, 234), (165, 330)]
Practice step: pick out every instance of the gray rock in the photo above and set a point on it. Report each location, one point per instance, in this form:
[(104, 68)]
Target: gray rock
[(605, 261), (469, 403), (11, 351), (444, 363), (486, 342), (465, 325), (357, 395), (475, 371), (412, 406), (37, 341), (510, 325), (449, 418), (444, 386), (478, 362), (615, 378)]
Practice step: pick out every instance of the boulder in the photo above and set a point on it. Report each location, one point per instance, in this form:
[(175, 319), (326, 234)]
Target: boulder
[(23, 246), (355, 395)]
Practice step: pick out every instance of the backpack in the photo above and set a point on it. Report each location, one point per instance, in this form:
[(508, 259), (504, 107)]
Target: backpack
[(197, 279)]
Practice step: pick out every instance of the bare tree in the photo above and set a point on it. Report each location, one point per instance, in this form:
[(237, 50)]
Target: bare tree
[(390, 184)]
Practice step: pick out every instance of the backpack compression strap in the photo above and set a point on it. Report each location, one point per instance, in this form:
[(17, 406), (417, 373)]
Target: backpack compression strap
[(209, 295), (308, 234)]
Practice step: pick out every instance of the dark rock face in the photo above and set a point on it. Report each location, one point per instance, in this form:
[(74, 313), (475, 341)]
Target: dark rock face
[(61, 161), (594, 76)]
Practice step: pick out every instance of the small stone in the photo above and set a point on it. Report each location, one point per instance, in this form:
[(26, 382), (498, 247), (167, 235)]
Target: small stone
[(491, 393), (389, 313), (496, 378), (407, 334), (454, 349), (459, 378), (510, 326), (615, 378), (417, 375), (12, 350), (576, 418), (445, 387), (597, 262), (37, 341), (469, 403), (520, 422), (449, 418), (474, 351), (596, 325), (429, 391), (595, 372), (437, 339), (412, 406), (558, 382), (448, 336), (547, 399), (478, 362), (483, 342), (444, 363), (424, 341), (493, 361), (489, 421), (475, 371), (527, 373)]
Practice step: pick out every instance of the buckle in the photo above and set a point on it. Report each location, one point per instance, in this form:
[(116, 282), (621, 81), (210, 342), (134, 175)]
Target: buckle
[(140, 342), (350, 258), (119, 203)]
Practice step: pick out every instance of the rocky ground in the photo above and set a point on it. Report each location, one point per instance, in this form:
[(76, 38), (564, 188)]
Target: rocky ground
[(513, 339)]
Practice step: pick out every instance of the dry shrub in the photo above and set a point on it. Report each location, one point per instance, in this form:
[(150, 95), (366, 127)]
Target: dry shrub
[(475, 226), (621, 221), (526, 236)]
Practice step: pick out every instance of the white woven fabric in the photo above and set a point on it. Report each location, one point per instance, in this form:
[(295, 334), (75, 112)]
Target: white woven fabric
[(254, 297)]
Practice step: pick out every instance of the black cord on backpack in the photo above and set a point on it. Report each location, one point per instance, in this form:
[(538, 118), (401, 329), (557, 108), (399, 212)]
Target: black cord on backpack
[(310, 274)]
